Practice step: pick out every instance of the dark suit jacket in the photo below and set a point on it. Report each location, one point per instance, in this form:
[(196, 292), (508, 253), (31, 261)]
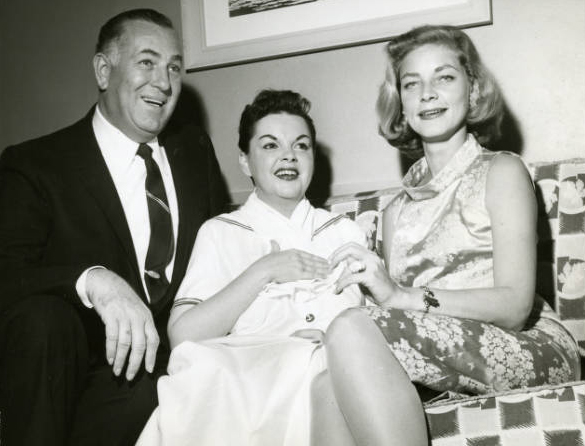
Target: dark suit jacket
[(60, 214)]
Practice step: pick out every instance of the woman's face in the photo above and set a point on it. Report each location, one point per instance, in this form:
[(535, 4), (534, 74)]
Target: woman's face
[(434, 91), (280, 160)]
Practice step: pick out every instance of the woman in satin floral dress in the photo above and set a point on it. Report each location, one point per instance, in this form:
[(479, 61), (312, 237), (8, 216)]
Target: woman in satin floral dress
[(455, 293)]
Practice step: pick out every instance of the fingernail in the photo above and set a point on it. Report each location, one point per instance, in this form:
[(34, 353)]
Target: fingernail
[(129, 376), (110, 361), (117, 371)]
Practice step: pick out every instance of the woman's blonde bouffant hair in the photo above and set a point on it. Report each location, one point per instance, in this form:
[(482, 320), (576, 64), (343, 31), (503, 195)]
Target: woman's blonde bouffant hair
[(486, 106)]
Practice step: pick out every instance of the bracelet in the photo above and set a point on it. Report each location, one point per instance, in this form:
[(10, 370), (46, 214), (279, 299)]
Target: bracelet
[(429, 299)]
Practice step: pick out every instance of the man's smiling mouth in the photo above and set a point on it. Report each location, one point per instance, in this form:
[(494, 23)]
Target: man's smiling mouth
[(155, 102)]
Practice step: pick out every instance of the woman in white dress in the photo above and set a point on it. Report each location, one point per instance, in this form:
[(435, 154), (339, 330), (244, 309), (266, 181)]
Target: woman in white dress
[(247, 324)]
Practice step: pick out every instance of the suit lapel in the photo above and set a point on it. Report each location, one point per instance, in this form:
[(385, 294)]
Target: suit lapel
[(192, 198), (94, 174)]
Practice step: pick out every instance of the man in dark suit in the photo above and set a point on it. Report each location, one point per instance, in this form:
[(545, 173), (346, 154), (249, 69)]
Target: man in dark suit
[(97, 224)]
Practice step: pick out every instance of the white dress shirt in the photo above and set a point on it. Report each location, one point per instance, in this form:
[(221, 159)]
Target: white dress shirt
[(128, 172)]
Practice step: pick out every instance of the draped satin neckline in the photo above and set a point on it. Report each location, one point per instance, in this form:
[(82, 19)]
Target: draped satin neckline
[(413, 182)]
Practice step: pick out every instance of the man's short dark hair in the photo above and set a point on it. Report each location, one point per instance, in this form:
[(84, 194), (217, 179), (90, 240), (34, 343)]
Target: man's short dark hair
[(114, 28)]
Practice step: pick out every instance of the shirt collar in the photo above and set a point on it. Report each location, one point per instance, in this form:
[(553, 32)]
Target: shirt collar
[(118, 150), (297, 219)]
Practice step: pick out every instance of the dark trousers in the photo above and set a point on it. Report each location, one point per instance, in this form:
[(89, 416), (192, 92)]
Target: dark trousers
[(55, 389)]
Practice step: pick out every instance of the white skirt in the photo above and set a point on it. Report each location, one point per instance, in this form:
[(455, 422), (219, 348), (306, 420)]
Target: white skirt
[(237, 390)]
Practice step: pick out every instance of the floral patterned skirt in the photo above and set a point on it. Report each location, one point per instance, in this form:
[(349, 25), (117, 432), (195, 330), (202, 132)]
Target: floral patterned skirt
[(466, 356)]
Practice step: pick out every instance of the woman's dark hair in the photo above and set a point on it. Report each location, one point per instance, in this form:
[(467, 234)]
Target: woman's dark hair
[(270, 102), (486, 110), (113, 29)]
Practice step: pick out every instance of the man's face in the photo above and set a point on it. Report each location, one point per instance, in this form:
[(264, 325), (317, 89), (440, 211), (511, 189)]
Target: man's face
[(140, 79)]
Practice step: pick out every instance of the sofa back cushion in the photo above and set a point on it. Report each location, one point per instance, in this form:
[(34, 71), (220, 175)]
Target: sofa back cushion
[(560, 190)]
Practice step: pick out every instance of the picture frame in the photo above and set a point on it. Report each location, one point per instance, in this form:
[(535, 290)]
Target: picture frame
[(219, 33)]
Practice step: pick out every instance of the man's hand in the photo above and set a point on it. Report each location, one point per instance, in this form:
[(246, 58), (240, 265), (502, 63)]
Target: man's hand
[(128, 321)]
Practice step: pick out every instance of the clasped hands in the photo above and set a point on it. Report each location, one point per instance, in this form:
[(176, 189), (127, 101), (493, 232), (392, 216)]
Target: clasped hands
[(364, 268), (129, 325)]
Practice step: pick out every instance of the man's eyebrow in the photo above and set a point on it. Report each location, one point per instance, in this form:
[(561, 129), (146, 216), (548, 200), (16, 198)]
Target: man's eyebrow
[(151, 52)]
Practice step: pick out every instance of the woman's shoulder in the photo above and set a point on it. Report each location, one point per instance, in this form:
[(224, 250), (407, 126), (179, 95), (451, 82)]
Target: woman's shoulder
[(326, 221), (224, 222), (502, 159), (507, 166)]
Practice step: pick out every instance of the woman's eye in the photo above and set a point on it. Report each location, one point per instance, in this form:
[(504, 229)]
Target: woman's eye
[(409, 85), (446, 78), (269, 146), (303, 146), (146, 63)]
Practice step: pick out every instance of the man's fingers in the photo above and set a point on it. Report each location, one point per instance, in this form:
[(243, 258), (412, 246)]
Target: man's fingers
[(111, 340), (137, 349), (152, 341), (124, 342)]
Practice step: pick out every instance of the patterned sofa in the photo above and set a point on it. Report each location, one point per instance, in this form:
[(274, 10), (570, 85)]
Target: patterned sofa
[(543, 416)]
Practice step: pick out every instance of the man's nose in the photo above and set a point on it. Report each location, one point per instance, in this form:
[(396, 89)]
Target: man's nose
[(161, 79)]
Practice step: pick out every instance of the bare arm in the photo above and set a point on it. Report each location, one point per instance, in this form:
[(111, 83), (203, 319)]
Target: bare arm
[(217, 315), (511, 204)]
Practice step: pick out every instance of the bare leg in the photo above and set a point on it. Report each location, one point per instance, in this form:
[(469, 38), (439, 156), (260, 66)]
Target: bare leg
[(327, 423), (376, 396)]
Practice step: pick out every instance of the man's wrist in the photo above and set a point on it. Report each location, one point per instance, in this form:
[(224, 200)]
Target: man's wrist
[(81, 286)]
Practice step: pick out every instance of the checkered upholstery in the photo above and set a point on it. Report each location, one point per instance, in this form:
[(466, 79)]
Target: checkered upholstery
[(544, 416)]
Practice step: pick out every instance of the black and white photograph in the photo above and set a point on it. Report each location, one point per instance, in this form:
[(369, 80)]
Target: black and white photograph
[(292, 223)]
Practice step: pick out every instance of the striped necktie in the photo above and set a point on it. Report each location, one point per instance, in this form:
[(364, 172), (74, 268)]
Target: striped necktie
[(162, 243)]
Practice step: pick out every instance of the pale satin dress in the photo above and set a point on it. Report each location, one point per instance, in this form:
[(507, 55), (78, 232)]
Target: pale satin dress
[(253, 387), (442, 238)]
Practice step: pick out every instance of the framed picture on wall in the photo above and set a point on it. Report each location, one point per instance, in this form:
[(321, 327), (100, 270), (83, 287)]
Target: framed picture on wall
[(219, 33)]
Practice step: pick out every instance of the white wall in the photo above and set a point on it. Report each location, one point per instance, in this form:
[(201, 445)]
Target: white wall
[(534, 47)]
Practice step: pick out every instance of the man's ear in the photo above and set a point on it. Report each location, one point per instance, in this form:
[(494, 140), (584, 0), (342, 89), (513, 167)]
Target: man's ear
[(102, 67), (243, 160)]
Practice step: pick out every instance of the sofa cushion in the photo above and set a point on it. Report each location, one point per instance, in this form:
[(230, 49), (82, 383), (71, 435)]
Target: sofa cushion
[(540, 416)]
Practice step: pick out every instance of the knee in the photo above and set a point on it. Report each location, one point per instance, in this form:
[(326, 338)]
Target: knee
[(348, 329)]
